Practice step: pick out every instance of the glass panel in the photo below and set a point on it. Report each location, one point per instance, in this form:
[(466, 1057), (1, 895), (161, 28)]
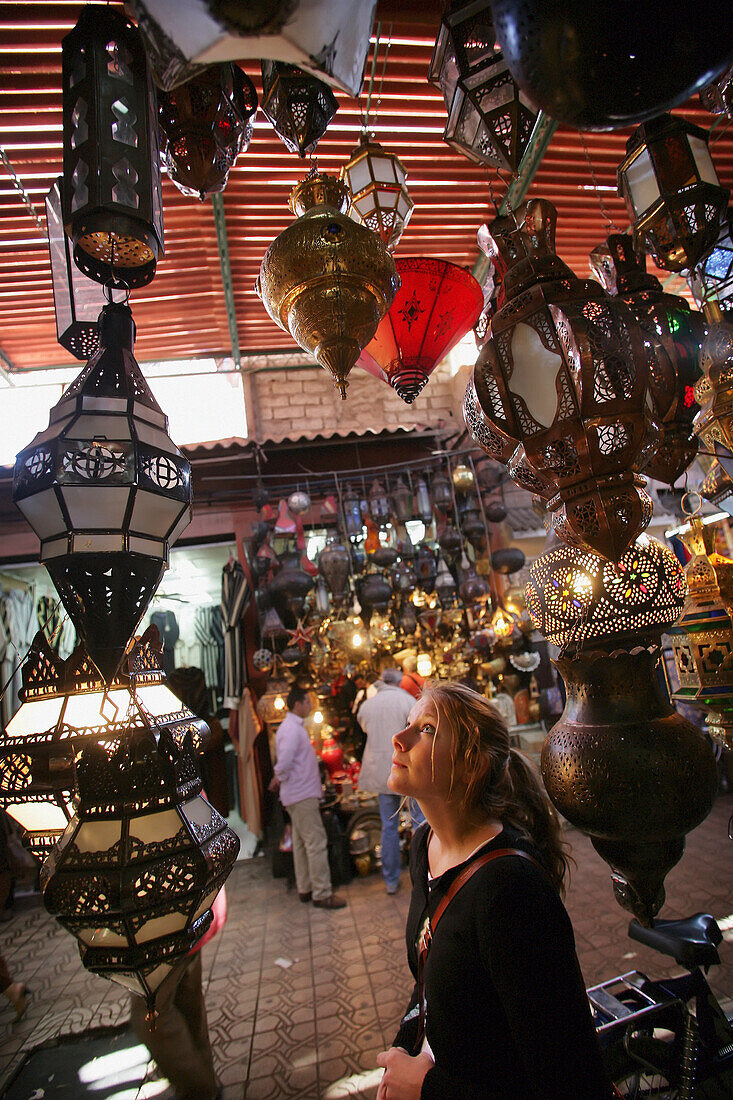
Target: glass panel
[(80, 131), (199, 812), (124, 191), (151, 828), (180, 526), (154, 514), (98, 836), (39, 817), (156, 977), (205, 904), (43, 513), (104, 404), (35, 716), (157, 700), (80, 191), (703, 160), (359, 175), (534, 376), (100, 427), (641, 182), (161, 926), (155, 437), (96, 508), (673, 162), (94, 710), (129, 981), (156, 547), (102, 937), (123, 127), (383, 170), (97, 544)]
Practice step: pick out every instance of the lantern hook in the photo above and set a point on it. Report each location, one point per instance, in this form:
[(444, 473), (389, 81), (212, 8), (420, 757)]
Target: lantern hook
[(686, 503)]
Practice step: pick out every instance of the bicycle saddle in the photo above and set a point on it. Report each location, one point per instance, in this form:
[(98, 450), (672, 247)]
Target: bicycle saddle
[(691, 942)]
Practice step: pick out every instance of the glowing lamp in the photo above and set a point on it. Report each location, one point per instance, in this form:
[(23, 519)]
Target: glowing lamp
[(424, 665), (379, 196)]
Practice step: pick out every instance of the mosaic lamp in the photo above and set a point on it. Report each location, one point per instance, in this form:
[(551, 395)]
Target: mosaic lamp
[(77, 300), (672, 192), (564, 376), (107, 493), (326, 280), (490, 120), (620, 763), (435, 306), (713, 276), (204, 125), (672, 337), (379, 196), (298, 106), (112, 206)]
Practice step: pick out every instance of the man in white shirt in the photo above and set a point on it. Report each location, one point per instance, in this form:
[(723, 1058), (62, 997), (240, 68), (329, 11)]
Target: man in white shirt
[(299, 782)]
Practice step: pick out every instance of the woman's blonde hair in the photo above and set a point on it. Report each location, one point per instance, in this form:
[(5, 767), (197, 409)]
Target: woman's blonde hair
[(500, 781)]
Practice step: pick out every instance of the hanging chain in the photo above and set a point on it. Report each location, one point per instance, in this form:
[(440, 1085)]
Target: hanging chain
[(604, 210), (365, 113), (18, 185), (381, 77)]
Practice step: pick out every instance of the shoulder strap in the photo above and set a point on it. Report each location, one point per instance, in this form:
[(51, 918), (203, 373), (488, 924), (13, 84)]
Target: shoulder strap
[(468, 872)]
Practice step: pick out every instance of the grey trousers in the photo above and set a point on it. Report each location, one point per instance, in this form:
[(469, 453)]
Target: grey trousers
[(310, 849)]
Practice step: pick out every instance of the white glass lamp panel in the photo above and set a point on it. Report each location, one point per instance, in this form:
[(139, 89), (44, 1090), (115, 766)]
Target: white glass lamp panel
[(207, 902), (400, 172), (154, 514), (96, 710), (152, 828), (156, 977), (495, 98), (115, 405), (54, 548), (161, 926), (364, 204), (152, 416), (641, 182), (703, 160), (35, 716), (383, 169), (61, 293), (102, 937), (98, 836), (68, 831), (448, 73), (181, 526), (534, 374), (39, 817), (405, 206), (129, 980), (154, 547), (96, 544), (99, 428), (43, 513), (158, 699), (88, 295), (199, 812), (96, 507), (359, 175), (155, 437)]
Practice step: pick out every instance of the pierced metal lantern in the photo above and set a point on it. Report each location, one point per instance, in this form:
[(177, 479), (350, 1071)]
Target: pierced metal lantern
[(717, 487), (490, 120), (563, 374), (77, 300), (107, 492), (440, 491), (204, 125), (299, 106), (672, 337), (134, 876), (713, 277), (402, 501), (65, 704), (718, 96), (325, 279), (672, 192), (714, 391), (436, 305), (112, 202), (379, 196), (380, 508)]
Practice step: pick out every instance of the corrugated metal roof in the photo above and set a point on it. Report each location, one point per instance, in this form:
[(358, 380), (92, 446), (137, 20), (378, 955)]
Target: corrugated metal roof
[(182, 313)]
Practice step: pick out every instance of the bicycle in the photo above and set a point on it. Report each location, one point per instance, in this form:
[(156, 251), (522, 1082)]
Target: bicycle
[(668, 1038)]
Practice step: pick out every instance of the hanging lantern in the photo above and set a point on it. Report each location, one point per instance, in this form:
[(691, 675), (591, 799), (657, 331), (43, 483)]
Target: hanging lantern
[(463, 478), (490, 120), (507, 560), (714, 391), (473, 588), (299, 106), (672, 192), (351, 506), (472, 525), (403, 578), (422, 505), (408, 620), (380, 508), (713, 277), (425, 567), (445, 585), (290, 586), (379, 196), (441, 492), (325, 279), (673, 334), (435, 306), (137, 869), (496, 511), (564, 375), (111, 194), (596, 75), (375, 593), (107, 493), (718, 96), (502, 624), (451, 544), (717, 487), (204, 125), (77, 300), (298, 502), (402, 501)]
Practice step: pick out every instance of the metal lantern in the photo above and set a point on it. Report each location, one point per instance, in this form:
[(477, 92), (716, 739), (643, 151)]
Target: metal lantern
[(436, 305), (718, 96), (137, 869), (563, 374), (402, 501), (107, 493), (673, 334), (490, 120), (352, 509), (672, 192), (299, 502), (463, 478), (717, 487), (290, 585), (441, 492), (112, 202), (714, 391), (204, 125), (77, 300), (507, 560), (379, 196), (299, 106), (325, 279), (380, 508), (713, 277), (422, 505), (445, 585)]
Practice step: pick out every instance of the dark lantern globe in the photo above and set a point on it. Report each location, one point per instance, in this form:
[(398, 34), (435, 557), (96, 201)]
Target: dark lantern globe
[(298, 106)]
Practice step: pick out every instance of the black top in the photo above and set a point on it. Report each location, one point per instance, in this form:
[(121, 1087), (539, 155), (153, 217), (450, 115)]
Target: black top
[(507, 1013)]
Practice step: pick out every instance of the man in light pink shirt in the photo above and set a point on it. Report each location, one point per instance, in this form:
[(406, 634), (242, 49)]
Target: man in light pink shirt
[(299, 782)]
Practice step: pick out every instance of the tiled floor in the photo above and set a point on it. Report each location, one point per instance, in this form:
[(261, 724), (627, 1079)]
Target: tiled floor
[(312, 1029)]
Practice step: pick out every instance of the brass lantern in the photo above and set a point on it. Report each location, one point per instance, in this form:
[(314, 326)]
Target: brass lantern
[(111, 195), (77, 300), (490, 120), (717, 487), (298, 105), (672, 335), (672, 192), (325, 279), (563, 374), (714, 391), (204, 125), (379, 196), (107, 492), (713, 277)]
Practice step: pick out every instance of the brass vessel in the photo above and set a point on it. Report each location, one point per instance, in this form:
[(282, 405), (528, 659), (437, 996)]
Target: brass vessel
[(325, 279)]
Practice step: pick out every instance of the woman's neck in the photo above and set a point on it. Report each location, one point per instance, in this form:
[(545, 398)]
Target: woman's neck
[(455, 836)]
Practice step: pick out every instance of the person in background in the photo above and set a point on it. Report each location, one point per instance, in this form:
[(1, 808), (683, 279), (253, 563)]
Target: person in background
[(411, 680), (381, 717), (499, 1010), (298, 780)]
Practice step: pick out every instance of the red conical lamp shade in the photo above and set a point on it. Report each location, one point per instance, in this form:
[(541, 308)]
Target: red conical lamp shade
[(434, 308)]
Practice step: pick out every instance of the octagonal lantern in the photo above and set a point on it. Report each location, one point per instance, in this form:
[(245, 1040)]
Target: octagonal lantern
[(107, 492), (77, 299), (299, 106), (565, 375), (713, 276), (379, 196)]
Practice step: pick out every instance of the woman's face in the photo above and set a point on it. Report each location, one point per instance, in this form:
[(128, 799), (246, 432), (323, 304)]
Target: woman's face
[(421, 761)]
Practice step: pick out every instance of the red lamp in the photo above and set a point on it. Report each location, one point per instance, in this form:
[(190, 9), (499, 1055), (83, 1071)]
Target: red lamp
[(437, 304)]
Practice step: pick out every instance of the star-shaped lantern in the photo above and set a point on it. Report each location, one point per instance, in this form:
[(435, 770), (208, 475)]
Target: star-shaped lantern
[(302, 636)]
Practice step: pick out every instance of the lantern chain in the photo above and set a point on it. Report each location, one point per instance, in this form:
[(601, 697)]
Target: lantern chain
[(381, 77), (604, 210), (25, 197)]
